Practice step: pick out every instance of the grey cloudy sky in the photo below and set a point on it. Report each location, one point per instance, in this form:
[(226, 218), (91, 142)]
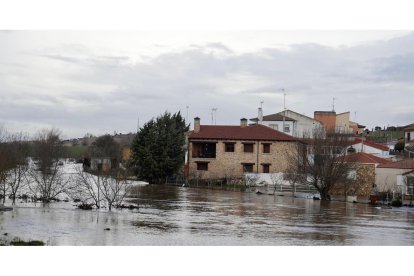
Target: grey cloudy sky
[(102, 81)]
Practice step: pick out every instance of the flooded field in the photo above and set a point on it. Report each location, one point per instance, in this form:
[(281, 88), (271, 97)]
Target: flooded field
[(191, 216)]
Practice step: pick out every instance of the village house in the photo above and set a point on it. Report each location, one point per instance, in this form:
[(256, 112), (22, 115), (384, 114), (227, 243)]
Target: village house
[(219, 151), (363, 174), (395, 176), (362, 145), (409, 134), (356, 128), (338, 123), (289, 122)]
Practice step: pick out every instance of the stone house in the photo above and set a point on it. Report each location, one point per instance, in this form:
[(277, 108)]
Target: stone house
[(219, 151), (289, 122), (363, 174), (390, 176)]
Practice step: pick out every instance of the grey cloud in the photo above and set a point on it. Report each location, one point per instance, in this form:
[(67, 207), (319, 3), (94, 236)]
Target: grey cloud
[(109, 93)]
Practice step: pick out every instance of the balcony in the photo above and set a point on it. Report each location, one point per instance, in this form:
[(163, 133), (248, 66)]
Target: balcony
[(204, 150)]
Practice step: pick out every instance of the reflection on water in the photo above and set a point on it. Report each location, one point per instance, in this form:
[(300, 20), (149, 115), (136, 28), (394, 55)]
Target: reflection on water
[(184, 216)]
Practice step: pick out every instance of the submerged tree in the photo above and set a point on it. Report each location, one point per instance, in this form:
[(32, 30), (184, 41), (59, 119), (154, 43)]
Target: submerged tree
[(46, 178), (319, 161), (5, 162), (158, 148), (19, 159), (100, 186)]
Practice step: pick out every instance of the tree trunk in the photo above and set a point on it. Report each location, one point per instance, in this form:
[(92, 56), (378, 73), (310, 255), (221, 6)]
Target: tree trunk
[(325, 194)]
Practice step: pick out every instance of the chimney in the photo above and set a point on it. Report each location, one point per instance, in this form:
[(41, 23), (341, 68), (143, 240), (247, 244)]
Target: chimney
[(196, 124), (260, 115), (243, 122)]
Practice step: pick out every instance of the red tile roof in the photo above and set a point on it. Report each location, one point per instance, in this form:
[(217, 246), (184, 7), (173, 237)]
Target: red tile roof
[(403, 164), (408, 127), (365, 158), (370, 144), (252, 132)]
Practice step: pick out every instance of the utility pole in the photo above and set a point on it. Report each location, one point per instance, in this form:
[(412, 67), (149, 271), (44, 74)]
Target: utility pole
[(333, 104)]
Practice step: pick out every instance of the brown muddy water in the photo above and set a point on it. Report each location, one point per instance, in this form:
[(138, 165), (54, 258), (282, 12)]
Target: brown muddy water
[(191, 216)]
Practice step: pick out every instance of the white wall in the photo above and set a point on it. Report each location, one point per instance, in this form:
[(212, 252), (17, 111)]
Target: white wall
[(367, 149), (304, 125), (278, 125), (387, 179)]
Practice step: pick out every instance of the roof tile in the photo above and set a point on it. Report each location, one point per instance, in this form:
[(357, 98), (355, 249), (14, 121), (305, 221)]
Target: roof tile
[(403, 164), (370, 144), (252, 132)]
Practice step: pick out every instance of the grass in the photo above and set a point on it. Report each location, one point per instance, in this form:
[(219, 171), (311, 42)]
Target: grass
[(19, 242), (76, 151)]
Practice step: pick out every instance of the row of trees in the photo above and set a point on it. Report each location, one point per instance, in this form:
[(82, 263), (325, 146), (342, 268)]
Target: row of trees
[(33, 168)]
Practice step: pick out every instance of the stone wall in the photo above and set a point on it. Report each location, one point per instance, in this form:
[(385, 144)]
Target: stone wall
[(229, 164), (363, 186)]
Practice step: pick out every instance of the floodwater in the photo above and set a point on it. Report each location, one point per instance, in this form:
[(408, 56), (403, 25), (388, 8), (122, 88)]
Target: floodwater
[(190, 216)]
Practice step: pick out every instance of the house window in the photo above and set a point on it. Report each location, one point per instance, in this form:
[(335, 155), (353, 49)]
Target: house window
[(286, 128), (247, 168), (229, 147), (265, 168), (266, 148), (248, 147), (202, 166), (274, 126)]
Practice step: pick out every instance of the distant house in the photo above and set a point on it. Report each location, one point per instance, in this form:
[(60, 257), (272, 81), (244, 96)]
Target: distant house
[(338, 123), (218, 151), (362, 145), (102, 164), (289, 122), (356, 128), (363, 174), (391, 176), (409, 134)]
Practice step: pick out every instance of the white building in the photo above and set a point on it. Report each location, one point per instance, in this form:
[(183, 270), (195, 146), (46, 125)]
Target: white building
[(295, 124), (395, 176), (379, 150), (409, 134)]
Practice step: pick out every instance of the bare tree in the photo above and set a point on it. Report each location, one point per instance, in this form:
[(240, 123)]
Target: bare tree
[(114, 187), (19, 159), (251, 179), (87, 188), (319, 161), (277, 180), (5, 162), (408, 181), (47, 180)]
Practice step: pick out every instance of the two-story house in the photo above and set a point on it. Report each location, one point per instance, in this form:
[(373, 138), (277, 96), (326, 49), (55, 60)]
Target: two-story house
[(219, 151), (289, 122)]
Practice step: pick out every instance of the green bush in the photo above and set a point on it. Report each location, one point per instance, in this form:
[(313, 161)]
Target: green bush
[(26, 243)]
